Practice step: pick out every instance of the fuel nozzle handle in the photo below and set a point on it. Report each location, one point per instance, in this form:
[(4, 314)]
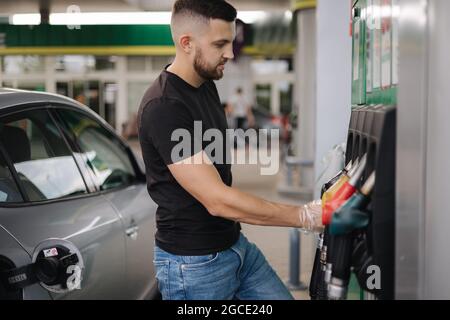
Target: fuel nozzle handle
[(344, 193), (330, 183), (353, 168), (369, 185), (357, 173), (341, 262), (351, 215), (333, 186)]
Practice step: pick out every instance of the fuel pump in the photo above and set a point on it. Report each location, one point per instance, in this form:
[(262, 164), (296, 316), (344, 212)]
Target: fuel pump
[(341, 196), (56, 264), (345, 222), (317, 286)]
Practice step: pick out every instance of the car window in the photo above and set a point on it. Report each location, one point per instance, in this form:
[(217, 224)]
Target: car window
[(106, 156), (8, 189), (41, 157)]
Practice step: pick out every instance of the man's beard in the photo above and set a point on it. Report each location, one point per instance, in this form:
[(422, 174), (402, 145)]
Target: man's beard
[(201, 67)]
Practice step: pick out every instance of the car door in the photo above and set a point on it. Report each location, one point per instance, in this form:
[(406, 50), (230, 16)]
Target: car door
[(118, 176), (59, 205), (12, 255), (138, 213)]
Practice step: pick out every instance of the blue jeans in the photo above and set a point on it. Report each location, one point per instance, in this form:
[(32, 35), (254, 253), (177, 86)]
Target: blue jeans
[(239, 273)]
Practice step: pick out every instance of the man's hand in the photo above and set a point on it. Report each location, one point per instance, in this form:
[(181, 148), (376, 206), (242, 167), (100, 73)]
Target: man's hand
[(198, 176), (311, 216)]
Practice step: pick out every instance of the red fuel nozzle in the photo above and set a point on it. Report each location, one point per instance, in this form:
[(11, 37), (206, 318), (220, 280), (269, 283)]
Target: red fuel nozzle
[(344, 193), (338, 182)]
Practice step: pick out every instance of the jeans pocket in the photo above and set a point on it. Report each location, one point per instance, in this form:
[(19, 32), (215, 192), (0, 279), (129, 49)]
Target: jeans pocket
[(212, 279), (162, 278), (195, 262)]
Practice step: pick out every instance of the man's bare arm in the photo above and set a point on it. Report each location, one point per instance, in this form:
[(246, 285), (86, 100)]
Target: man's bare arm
[(203, 182)]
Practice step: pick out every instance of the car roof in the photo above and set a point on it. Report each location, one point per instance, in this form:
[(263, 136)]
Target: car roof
[(10, 98), (14, 97)]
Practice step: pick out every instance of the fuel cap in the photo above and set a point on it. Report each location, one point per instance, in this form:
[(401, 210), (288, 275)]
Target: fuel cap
[(58, 265)]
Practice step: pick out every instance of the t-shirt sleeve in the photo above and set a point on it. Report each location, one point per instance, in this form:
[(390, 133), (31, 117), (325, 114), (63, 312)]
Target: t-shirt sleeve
[(168, 125)]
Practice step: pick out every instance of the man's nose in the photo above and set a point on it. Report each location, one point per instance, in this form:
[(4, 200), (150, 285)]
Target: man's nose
[(229, 55)]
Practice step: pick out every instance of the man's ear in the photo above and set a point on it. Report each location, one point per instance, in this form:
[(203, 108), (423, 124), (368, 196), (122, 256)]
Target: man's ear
[(186, 43)]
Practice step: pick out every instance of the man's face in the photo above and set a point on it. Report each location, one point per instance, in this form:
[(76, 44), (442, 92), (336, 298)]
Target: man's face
[(213, 49)]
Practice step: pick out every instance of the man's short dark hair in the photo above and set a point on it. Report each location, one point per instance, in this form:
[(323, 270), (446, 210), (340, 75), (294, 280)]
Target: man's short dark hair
[(209, 9)]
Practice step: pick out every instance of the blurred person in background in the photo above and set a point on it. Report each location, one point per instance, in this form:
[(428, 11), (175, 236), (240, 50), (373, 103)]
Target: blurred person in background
[(241, 110)]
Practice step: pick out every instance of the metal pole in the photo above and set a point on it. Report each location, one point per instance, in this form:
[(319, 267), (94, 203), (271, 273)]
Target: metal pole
[(294, 282), (305, 93)]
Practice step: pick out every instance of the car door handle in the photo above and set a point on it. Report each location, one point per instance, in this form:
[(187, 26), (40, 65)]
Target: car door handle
[(132, 232)]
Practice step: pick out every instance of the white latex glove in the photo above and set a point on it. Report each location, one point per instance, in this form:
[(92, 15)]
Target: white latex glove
[(310, 216)]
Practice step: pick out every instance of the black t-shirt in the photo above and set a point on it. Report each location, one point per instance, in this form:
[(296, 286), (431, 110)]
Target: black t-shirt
[(184, 225)]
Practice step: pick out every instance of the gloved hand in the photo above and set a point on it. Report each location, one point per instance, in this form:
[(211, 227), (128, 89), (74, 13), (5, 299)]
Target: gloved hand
[(310, 216)]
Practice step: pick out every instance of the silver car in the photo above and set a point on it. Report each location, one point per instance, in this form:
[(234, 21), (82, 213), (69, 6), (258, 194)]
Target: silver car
[(76, 221)]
